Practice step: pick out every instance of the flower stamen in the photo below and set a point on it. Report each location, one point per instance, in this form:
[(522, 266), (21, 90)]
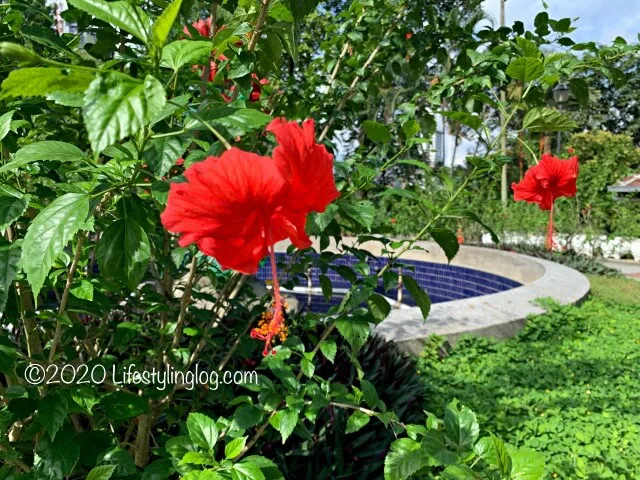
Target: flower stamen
[(271, 323)]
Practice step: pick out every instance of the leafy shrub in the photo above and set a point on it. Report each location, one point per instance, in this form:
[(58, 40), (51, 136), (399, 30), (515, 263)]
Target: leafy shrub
[(566, 386), (101, 128), (329, 452), (605, 159)]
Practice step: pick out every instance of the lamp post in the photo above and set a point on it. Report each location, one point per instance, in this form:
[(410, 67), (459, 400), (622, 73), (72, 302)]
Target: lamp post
[(560, 97)]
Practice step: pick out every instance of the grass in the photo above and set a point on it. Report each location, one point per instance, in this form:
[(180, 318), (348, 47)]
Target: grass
[(567, 386), (616, 290)]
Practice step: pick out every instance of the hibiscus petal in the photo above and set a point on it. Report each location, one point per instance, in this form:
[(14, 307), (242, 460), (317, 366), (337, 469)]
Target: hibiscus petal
[(226, 206), (307, 165)]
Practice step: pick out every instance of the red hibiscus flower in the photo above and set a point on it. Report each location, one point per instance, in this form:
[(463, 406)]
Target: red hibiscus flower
[(203, 26), (543, 183), (237, 206), (408, 35)]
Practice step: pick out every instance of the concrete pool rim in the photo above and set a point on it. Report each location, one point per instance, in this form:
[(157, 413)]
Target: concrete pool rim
[(499, 315)]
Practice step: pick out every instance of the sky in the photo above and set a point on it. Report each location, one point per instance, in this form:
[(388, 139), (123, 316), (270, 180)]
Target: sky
[(600, 21), (597, 20)]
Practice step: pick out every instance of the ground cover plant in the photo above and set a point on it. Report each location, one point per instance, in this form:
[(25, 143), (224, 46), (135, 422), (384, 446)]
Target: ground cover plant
[(566, 386), (153, 153)]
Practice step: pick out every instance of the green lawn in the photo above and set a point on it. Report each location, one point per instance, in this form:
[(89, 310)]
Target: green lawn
[(567, 386)]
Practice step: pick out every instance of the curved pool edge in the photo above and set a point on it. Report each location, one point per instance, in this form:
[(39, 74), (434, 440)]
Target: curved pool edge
[(500, 315)]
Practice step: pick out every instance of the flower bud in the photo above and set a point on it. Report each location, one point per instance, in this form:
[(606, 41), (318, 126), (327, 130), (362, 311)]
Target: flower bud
[(19, 53)]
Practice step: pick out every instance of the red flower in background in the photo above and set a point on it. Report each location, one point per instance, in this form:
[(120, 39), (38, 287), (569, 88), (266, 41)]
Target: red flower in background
[(203, 26), (408, 35), (570, 151), (237, 206), (543, 183)]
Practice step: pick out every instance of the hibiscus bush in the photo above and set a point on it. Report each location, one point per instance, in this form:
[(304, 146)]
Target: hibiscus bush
[(153, 154)]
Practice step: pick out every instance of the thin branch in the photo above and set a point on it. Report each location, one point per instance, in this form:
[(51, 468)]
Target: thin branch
[(259, 24), (358, 77), (65, 297), (344, 51), (233, 348), (229, 292), (184, 303), (371, 413)]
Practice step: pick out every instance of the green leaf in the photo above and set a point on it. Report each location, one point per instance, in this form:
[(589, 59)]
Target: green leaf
[(8, 360), (237, 121), (9, 259), (326, 286), (434, 447), (528, 48), (400, 192), (121, 459), (52, 412), (472, 216), (284, 421), (116, 106), (355, 330), (49, 233), (5, 123), (377, 132), (356, 421), (234, 447), (545, 119), (75, 100), (197, 458), (503, 460), (120, 14), (329, 349), (41, 81), (12, 205), (301, 8), (202, 430), (525, 69), (370, 394), (83, 290), (580, 89), (403, 460), (163, 153), (55, 459), (247, 416), (459, 472), (527, 465), (461, 426), (419, 295), (246, 471), (185, 52), (447, 241), (307, 366), (362, 212), (123, 405), (472, 121), (103, 472), (47, 37), (379, 307), (123, 252), (162, 25), (45, 150)]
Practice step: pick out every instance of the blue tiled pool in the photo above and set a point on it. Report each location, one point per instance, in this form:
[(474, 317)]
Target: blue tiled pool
[(443, 282)]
